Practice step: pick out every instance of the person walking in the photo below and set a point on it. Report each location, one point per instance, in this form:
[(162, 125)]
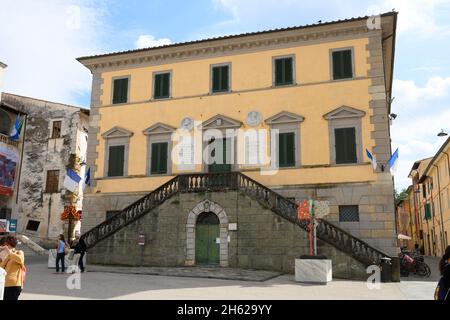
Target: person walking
[(61, 249), (80, 249), (14, 265), (443, 288)]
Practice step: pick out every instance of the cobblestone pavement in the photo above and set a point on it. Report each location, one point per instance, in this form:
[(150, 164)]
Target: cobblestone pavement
[(42, 284)]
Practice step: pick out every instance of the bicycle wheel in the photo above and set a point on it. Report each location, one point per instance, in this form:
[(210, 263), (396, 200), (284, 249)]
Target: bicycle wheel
[(422, 269)]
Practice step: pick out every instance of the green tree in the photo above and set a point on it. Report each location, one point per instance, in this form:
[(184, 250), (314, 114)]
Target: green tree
[(400, 196)]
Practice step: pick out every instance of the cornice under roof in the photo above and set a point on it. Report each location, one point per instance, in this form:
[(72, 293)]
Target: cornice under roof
[(101, 58)]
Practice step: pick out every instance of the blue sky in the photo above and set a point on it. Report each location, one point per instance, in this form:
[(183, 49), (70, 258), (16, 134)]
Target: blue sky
[(41, 43)]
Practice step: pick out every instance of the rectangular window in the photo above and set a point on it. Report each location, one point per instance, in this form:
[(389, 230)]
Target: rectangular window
[(345, 140), (427, 211), (116, 161), (159, 158), (284, 71), (56, 130), (120, 91), (5, 213), (286, 150), (348, 213), (52, 185), (33, 225), (342, 64), (424, 191), (161, 86), (220, 79)]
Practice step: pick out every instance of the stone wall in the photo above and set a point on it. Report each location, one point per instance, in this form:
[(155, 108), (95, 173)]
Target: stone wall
[(375, 200), (262, 240), (42, 153)]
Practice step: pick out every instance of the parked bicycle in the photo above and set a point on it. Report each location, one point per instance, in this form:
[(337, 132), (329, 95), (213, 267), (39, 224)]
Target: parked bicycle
[(413, 263)]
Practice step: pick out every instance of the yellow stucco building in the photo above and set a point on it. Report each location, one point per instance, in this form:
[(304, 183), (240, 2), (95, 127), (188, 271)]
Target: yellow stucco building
[(431, 178), (322, 93)]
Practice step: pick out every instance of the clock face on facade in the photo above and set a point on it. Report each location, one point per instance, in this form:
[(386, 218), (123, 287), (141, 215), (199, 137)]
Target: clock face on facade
[(187, 124), (254, 118)]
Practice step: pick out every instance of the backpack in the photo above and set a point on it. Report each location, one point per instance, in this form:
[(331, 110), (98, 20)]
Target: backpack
[(440, 293)]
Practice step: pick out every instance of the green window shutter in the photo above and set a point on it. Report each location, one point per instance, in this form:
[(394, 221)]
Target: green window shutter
[(162, 86), (288, 72), (427, 212), (116, 161), (342, 64), (220, 79), (347, 64), (286, 150), (159, 158), (345, 140), (224, 78), (216, 79), (284, 74), (120, 91), (166, 85)]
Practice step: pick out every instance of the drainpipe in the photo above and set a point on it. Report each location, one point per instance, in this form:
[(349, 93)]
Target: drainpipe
[(440, 207)]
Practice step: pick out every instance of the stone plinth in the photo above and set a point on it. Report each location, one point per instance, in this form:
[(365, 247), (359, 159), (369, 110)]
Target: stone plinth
[(313, 271)]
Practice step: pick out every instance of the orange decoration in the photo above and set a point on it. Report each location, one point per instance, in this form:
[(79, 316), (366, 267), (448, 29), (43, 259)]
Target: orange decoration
[(72, 213)]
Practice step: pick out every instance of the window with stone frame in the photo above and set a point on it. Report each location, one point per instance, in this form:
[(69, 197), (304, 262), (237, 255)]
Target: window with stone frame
[(284, 71), (5, 123), (345, 135), (345, 144), (220, 78), (116, 161), (159, 158), (52, 183), (56, 129), (117, 141), (161, 85), (342, 64), (120, 90)]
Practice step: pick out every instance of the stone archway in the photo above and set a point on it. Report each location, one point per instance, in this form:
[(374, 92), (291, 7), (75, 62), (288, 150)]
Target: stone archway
[(206, 206)]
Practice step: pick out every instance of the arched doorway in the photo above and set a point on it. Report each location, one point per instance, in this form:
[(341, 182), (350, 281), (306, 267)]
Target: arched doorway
[(207, 231)]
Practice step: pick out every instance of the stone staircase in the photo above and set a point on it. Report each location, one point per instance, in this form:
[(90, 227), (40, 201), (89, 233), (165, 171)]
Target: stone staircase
[(221, 182)]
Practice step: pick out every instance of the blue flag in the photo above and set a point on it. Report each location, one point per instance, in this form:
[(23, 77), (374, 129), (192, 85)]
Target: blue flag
[(72, 181), (87, 180), (15, 132), (393, 162), (372, 159)]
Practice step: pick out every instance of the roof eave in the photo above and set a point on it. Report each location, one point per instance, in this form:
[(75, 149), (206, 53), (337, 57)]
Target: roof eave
[(88, 60)]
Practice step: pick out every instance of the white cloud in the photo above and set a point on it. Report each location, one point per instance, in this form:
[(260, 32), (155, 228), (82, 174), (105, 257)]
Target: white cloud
[(40, 41), (419, 16), (410, 96), (147, 41), (423, 111)]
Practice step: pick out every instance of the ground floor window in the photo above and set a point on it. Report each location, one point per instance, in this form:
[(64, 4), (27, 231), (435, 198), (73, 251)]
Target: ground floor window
[(33, 225), (348, 213)]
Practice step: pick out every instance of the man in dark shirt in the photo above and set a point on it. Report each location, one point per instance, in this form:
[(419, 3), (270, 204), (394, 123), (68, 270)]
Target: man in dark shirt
[(80, 248)]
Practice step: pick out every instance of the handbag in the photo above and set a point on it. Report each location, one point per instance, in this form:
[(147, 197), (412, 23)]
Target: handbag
[(66, 249)]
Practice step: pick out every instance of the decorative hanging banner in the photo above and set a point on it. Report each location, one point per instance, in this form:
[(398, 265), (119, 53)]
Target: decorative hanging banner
[(8, 164), (303, 211)]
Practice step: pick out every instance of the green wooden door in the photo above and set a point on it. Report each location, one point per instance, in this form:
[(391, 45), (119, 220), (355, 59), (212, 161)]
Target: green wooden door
[(225, 166), (206, 248)]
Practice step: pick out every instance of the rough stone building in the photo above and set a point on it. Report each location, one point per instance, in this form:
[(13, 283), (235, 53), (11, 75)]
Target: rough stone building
[(321, 96), (10, 163), (55, 136)]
